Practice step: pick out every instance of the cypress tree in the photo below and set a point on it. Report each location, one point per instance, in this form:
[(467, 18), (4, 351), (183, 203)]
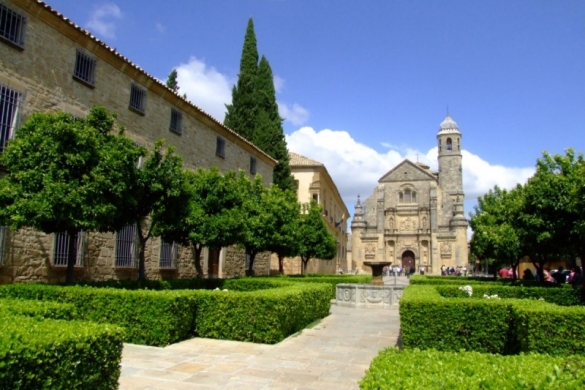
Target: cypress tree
[(241, 114), (269, 132), (172, 81)]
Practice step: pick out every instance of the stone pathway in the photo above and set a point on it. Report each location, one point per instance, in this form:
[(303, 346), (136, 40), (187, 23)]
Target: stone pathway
[(334, 354)]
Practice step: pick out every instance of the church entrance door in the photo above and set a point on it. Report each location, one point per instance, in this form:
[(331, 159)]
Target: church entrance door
[(407, 260)]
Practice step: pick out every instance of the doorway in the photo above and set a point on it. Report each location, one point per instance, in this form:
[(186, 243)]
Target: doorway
[(408, 260)]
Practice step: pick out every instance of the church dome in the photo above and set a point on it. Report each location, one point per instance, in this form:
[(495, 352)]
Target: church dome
[(448, 126)]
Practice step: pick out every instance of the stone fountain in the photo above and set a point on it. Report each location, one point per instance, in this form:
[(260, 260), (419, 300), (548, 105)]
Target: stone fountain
[(374, 295)]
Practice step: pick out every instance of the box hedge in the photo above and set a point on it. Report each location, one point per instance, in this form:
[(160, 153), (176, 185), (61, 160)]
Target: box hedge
[(38, 309), (430, 369), (58, 354), (149, 317), (262, 310), (428, 320), (448, 319)]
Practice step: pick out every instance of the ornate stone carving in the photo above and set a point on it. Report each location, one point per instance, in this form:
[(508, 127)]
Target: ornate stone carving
[(370, 250), (375, 296), (408, 225), (391, 223), (446, 249)]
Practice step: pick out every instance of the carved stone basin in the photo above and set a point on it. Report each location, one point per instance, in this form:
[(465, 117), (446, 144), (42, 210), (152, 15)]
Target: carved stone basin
[(377, 267)]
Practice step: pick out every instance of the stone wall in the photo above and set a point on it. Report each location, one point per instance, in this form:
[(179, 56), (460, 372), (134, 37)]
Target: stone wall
[(293, 266)]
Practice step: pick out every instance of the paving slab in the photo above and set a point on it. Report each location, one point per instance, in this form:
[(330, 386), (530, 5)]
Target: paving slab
[(334, 354)]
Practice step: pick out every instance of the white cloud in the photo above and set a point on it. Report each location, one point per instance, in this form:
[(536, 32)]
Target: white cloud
[(356, 168), (278, 83), (103, 18), (296, 114), (205, 87), (160, 27)]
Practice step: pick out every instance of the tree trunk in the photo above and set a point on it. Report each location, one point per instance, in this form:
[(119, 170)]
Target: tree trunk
[(280, 265), (197, 249), (304, 265), (250, 270), (141, 259), (70, 256)]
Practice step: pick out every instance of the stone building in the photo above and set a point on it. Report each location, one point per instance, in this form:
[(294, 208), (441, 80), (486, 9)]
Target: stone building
[(47, 63), (313, 182), (415, 215)]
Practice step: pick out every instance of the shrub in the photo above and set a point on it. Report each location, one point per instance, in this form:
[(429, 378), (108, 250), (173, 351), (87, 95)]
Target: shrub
[(559, 296), (428, 320), (546, 328), (332, 280), (38, 309), (57, 354), (264, 316), (149, 317), (431, 369)]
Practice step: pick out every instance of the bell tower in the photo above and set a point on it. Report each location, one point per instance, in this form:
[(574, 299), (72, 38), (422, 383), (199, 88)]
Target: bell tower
[(450, 168)]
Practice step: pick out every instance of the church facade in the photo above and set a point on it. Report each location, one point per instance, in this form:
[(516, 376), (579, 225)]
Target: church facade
[(415, 216)]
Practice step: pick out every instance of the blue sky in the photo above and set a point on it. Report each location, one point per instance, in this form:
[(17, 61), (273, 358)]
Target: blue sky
[(364, 84)]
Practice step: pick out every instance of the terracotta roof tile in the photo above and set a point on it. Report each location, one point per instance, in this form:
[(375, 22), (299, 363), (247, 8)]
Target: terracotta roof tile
[(298, 160)]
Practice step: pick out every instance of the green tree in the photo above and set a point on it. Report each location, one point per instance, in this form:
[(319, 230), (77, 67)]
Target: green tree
[(172, 81), (68, 174), (269, 132), (552, 214), (496, 224), (285, 224), (258, 220), (213, 215), (315, 240), (159, 193), (241, 114)]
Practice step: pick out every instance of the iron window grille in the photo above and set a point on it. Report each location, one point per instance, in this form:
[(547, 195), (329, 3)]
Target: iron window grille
[(253, 165), (126, 248), (61, 249), (10, 107), (84, 68), (176, 121), (137, 98), (3, 241), (12, 26), (220, 147), (168, 254)]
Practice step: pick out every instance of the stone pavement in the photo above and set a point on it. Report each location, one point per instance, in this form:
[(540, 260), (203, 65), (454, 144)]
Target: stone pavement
[(334, 354)]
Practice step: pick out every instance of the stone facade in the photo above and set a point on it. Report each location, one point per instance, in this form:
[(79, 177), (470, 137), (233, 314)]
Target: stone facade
[(415, 216), (41, 71), (313, 182)]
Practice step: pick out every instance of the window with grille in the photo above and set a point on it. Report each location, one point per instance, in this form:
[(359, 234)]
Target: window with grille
[(253, 165), (220, 147), (61, 249), (12, 26), (176, 121), (126, 248), (3, 243), (84, 68), (10, 107), (137, 98), (168, 254)]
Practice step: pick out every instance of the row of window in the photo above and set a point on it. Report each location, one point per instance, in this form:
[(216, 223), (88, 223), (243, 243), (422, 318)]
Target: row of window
[(407, 196), (126, 249)]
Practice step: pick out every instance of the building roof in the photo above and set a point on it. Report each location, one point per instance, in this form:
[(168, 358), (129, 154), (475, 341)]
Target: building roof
[(448, 126), (298, 160), (152, 78)]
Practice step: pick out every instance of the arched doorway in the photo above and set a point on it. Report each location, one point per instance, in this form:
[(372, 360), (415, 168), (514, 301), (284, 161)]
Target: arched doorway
[(408, 260)]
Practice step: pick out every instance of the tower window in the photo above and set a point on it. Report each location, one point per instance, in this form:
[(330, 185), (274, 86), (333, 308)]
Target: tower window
[(449, 144)]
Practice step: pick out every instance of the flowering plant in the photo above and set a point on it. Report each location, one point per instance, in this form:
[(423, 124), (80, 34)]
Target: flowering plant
[(467, 289)]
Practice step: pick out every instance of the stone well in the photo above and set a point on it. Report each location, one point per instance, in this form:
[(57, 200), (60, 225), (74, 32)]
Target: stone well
[(368, 296)]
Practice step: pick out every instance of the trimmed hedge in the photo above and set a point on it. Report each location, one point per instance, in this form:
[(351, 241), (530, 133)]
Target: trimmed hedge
[(150, 317), (38, 309), (559, 296), (57, 354), (447, 319), (474, 280), (428, 320), (430, 369), (264, 316), (262, 310)]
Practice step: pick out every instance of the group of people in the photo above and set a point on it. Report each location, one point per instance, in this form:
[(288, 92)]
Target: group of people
[(573, 277), (397, 270), (452, 271)]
